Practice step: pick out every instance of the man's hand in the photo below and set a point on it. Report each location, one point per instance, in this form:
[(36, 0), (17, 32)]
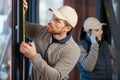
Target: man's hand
[(25, 5), (28, 49)]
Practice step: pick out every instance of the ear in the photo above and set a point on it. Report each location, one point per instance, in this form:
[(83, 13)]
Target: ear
[(68, 28)]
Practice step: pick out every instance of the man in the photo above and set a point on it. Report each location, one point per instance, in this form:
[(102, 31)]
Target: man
[(96, 54), (54, 53)]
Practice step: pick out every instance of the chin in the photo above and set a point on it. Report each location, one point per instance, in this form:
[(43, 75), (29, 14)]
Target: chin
[(49, 30)]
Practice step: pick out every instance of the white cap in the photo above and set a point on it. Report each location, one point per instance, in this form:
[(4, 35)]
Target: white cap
[(66, 13), (92, 23)]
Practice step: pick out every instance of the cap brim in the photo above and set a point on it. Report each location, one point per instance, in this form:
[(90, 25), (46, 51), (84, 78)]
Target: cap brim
[(57, 13), (103, 24), (99, 26)]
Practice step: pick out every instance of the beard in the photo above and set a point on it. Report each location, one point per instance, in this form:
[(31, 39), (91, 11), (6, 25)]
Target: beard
[(53, 30)]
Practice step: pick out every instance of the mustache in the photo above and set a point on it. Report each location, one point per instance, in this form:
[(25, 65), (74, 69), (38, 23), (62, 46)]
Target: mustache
[(51, 25)]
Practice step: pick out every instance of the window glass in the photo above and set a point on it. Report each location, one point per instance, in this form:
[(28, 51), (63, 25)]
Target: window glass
[(5, 33)]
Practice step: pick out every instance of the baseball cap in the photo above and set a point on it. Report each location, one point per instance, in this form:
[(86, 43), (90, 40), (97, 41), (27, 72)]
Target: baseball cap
[(66, 13), (92, 23)]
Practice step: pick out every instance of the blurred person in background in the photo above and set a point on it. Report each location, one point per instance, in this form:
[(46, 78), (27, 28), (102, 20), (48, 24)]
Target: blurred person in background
[(96, 54)]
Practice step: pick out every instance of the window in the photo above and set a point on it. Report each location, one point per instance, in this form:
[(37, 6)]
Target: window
[(5, 33)]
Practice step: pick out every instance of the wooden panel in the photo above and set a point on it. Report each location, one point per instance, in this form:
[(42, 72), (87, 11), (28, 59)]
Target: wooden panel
[(84, 9)]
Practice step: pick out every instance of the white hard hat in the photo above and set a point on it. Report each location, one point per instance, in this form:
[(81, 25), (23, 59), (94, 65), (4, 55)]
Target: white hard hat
[(92, 23), (66, 13)]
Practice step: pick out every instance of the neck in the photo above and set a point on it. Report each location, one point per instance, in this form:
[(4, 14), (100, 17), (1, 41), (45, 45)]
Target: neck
[(59, 37)]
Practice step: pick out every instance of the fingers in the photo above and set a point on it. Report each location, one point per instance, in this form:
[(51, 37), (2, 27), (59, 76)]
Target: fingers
[(31, 44), (23, 50), (25, 5), (24, 47), (28, 49)]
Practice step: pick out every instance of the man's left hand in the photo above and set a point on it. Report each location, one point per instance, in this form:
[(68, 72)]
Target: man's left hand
[(28, 49)]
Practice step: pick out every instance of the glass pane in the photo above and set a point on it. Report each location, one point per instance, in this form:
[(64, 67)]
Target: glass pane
[(5, 33)]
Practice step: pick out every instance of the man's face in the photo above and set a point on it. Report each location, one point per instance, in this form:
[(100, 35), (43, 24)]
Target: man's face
[(98, 32), (56, 26)]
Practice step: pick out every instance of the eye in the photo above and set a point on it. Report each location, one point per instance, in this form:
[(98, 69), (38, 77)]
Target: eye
[(101, 29), (56, 19), (97, 30)]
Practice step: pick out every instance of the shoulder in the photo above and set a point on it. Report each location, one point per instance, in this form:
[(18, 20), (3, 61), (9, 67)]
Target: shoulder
[(85, 43), (71, 46), (34, 25)]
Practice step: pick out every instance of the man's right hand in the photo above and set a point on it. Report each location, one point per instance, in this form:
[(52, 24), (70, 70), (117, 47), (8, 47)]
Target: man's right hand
[(25, 5)]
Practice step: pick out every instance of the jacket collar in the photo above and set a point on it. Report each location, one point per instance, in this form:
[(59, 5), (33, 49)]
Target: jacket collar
[(62, 40)]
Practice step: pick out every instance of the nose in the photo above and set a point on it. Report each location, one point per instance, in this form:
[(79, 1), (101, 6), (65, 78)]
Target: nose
[(101, 31), (52, 20)]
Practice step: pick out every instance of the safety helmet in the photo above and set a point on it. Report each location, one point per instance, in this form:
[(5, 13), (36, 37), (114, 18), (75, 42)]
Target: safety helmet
[(92, 23)]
